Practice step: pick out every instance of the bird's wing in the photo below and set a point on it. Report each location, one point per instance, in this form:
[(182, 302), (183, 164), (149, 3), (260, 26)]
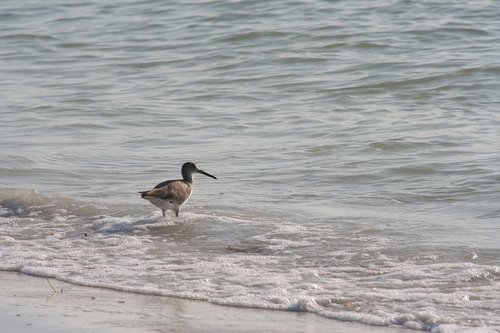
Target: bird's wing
[(176, 191), (153, 192), (166, 182)]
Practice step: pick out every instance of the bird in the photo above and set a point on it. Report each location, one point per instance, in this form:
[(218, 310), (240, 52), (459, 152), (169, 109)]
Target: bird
[(173, 194)]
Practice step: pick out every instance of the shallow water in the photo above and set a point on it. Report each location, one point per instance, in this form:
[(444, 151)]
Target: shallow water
[(356, 146)]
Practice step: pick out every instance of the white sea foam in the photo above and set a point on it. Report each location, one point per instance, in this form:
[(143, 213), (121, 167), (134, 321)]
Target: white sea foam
[(247, 262)]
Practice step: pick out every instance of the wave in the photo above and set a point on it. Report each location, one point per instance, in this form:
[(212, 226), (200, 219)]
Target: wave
[(244, 260), (30, 203)]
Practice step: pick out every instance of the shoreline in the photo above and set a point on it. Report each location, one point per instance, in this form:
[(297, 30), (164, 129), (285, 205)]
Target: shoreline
[(29, 304)]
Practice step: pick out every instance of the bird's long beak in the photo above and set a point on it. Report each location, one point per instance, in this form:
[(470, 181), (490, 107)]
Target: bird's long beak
[(206, 174)]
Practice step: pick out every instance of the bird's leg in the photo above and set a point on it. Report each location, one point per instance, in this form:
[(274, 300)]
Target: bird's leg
[(176, 213), (163, 212)]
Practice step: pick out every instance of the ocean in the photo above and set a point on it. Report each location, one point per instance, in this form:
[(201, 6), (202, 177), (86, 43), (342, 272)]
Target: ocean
[(356, 146)]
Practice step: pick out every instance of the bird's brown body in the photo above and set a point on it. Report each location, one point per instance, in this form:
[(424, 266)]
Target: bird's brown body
[(173, 194)]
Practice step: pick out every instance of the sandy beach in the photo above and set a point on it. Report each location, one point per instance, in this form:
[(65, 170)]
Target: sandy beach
[(29, 304)]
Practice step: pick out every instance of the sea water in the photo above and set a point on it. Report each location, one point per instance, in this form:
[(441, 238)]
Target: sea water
[(356, 145)]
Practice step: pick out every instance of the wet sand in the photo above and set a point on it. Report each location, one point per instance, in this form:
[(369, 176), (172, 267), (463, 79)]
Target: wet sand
[(29, 304)]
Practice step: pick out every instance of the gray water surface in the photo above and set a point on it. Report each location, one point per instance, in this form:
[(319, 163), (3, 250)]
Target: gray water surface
[(356, 146)]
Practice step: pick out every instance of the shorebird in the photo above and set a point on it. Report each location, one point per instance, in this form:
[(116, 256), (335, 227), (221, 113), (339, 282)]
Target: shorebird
[(173, 194)]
